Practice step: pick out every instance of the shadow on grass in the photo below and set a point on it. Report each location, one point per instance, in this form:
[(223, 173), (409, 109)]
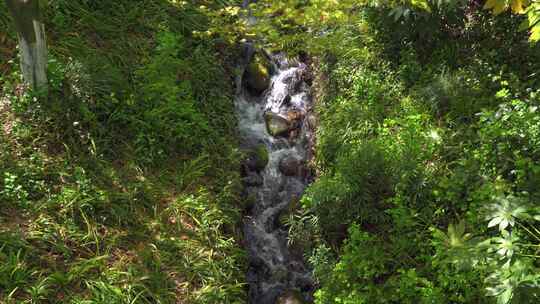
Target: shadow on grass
[(84, 217)]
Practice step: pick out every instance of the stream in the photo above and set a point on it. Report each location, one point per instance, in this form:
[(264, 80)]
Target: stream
[(276, 273)]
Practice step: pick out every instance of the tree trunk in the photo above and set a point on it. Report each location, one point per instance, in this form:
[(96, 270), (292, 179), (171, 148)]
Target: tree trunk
[(32, 41)]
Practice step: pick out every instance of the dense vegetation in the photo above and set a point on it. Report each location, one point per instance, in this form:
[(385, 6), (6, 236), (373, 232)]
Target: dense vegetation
[(428, 150), (122, 185)]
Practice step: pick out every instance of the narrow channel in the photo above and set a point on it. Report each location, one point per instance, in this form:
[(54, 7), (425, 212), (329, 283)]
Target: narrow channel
[(275, 131)]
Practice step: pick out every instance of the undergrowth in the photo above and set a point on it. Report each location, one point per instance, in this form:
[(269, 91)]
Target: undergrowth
[(428, 156), (121, 186)]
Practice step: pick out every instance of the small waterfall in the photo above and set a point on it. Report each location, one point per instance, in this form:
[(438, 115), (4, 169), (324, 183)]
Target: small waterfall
[(273, 268)]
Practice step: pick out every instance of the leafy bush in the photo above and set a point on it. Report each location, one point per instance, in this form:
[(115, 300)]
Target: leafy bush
[(414, 151)]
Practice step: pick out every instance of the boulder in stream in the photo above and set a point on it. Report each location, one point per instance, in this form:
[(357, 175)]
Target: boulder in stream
[(290, 165), (253, 180), (257, 74), (276, 124), (295, 119), (257, 159), (294, 115)]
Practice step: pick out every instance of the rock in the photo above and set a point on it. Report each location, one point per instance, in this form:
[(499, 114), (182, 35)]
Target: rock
[(253, 179), (293, 135), (279, 274), (250, 199), (269, 60), (294, 115), (247, 52), (312, 120), (262, 157), (303, 57), (290, 166), (276, 124), (290, 297), (299, 86), (257, 74), (286, 101), (256, 160), (288, 80), (295, 118)]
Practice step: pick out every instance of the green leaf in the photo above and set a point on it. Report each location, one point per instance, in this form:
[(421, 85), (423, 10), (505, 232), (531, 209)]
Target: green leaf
[(503, 224), (494, 222)]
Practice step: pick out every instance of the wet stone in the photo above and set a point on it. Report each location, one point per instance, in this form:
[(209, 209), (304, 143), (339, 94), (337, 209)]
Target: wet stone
[(279, 274), (286, 101), (276, 124), (257, 74), (290, 166), (256, 159), (253, 180)]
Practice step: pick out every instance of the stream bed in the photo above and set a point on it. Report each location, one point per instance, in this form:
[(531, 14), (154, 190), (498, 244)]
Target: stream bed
[(275, 126)]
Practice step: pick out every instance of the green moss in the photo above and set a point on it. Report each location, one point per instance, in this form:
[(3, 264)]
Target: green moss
[(249, 201), (258, 74), (261, 156), (275, 124)]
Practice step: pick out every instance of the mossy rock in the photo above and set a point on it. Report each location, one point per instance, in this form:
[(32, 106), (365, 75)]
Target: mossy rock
[(276, 124), (257, 75), (249, 201), (261, 157), (290, 166), (256, 158), (279, 274)]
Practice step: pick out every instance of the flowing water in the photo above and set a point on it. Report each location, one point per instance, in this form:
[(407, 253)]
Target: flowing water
[(273, 267)]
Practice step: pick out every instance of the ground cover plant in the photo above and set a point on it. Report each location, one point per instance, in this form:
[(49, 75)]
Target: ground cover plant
[(121, 185)]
